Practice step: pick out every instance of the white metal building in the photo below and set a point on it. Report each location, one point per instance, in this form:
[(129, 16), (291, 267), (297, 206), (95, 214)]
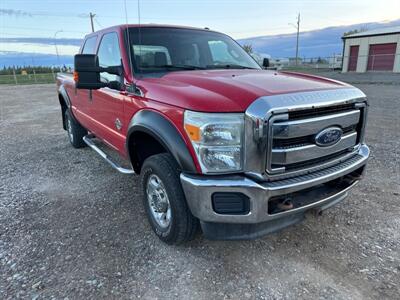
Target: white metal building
[(373, 50)]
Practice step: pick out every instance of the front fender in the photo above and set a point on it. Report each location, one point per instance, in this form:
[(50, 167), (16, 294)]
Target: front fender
[(64, 94), (65, 103), (161, 129)]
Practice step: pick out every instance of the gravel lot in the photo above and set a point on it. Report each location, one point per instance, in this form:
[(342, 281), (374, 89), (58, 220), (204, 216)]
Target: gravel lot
[(71, 227)]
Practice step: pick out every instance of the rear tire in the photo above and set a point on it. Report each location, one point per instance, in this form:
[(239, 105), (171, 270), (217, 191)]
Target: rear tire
[(164, 200), (75, 131)]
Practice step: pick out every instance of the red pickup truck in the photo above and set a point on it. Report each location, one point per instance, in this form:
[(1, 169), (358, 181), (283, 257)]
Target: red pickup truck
[(217, 140)]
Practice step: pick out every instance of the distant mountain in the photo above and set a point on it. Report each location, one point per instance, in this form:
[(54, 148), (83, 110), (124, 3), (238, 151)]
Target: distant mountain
[(316, 43), (9, 59), (18, 51)]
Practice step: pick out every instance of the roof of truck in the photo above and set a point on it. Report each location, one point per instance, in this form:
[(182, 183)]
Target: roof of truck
[(123, 26)]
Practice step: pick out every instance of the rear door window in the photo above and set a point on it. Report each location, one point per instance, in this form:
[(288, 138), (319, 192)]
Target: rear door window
[(109, 55), (90, 45)]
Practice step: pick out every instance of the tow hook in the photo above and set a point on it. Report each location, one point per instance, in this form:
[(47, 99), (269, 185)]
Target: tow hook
[(286, 204), (317, 212), (280, 205), (350, 178)]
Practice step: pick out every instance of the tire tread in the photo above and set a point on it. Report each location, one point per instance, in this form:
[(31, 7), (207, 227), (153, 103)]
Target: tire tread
[(186, 224), (78, 131)]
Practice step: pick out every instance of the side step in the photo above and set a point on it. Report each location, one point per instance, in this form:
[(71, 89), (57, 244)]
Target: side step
[(88, 140)]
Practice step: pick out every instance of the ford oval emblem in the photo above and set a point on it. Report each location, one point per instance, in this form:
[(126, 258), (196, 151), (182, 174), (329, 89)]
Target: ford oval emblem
[(328, 137)]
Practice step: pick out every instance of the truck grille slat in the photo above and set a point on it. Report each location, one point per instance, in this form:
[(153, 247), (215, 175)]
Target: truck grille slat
[(312, 151), (320, 111), (311, 176), (303, 140), (299, 128), (319, 160)]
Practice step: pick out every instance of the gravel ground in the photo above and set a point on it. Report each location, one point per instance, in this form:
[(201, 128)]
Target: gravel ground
[(71, 227)]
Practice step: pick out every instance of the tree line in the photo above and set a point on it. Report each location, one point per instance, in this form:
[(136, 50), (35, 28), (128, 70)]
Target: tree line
[(28, 69)]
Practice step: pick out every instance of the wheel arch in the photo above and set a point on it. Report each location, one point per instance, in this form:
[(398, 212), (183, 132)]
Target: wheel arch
[(151, 133), (65, 103)]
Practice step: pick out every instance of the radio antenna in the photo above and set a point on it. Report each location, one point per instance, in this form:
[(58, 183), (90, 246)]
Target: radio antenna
[(130, 46), (139, 33), (128, 38), (126, 13)]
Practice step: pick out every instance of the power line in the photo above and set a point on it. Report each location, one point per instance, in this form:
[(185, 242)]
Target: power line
[(297, 38), (12, 35), (98, 23), (46, 14), (259, 30), (39, 29), (84, 15)]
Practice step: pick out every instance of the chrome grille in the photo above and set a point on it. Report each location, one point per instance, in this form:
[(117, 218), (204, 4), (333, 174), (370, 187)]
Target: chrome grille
[(308, 113), (291, 146)]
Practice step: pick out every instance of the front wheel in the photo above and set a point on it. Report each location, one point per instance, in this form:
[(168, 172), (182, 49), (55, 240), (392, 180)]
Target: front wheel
[(75, 131), (164, 200)]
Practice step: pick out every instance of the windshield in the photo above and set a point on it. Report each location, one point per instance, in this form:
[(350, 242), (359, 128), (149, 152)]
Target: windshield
[(160, 49)]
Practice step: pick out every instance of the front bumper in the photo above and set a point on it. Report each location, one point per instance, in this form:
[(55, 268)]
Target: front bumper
[(310, 191)]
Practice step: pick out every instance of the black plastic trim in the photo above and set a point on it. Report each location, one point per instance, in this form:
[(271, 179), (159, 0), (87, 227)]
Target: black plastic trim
[(230, 203), (64, 95), (233, 231), (63, 92), (165, 133)]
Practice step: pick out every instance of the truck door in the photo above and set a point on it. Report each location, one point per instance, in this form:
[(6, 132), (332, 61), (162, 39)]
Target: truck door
[(107, 105)]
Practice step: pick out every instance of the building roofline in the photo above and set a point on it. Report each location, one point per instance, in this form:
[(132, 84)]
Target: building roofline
[(369, 34)]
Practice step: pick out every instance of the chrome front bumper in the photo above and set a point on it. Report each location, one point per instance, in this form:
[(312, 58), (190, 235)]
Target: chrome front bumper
[(199, 190)]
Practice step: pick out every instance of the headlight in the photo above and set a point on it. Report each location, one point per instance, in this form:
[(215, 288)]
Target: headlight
[(217, 140)]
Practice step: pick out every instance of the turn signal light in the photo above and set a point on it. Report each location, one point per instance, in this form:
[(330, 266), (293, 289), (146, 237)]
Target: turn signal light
[(193, 132)]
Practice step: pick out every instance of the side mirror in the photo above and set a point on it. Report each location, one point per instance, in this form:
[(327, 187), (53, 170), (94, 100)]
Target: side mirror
[(87, 72), (266, 63)]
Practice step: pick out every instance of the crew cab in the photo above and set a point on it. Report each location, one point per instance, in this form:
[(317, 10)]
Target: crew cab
[(217, 140)]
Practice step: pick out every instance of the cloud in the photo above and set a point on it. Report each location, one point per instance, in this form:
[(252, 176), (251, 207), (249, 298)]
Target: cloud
[(40, 45), (39, 48), (48, 41), (15, 13)]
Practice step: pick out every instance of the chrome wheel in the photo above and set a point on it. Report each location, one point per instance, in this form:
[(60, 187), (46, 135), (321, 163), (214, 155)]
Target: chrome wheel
[(69, 129), (157, 197)]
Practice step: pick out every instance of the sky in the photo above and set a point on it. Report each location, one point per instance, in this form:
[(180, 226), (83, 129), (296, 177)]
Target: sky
[(237, 18)]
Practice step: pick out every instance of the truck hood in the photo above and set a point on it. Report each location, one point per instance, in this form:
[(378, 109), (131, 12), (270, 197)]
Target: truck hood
[(228, 90)]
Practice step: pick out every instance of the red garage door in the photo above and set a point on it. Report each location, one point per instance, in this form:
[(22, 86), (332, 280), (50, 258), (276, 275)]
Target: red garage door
[(353, 58), (381, 57)]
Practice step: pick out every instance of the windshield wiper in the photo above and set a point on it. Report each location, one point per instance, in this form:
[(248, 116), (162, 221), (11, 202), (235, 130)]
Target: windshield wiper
[(228, 66), (177, 67)]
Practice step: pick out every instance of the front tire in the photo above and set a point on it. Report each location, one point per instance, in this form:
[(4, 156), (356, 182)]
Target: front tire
[(164, 200), (75, 131)]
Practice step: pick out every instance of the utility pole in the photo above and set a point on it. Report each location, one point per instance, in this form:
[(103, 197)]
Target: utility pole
[(55, 45), (297, 39), (91, 20), (297, 26)]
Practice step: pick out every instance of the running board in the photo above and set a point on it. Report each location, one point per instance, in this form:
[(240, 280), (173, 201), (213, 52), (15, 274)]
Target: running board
[(88, 140)]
